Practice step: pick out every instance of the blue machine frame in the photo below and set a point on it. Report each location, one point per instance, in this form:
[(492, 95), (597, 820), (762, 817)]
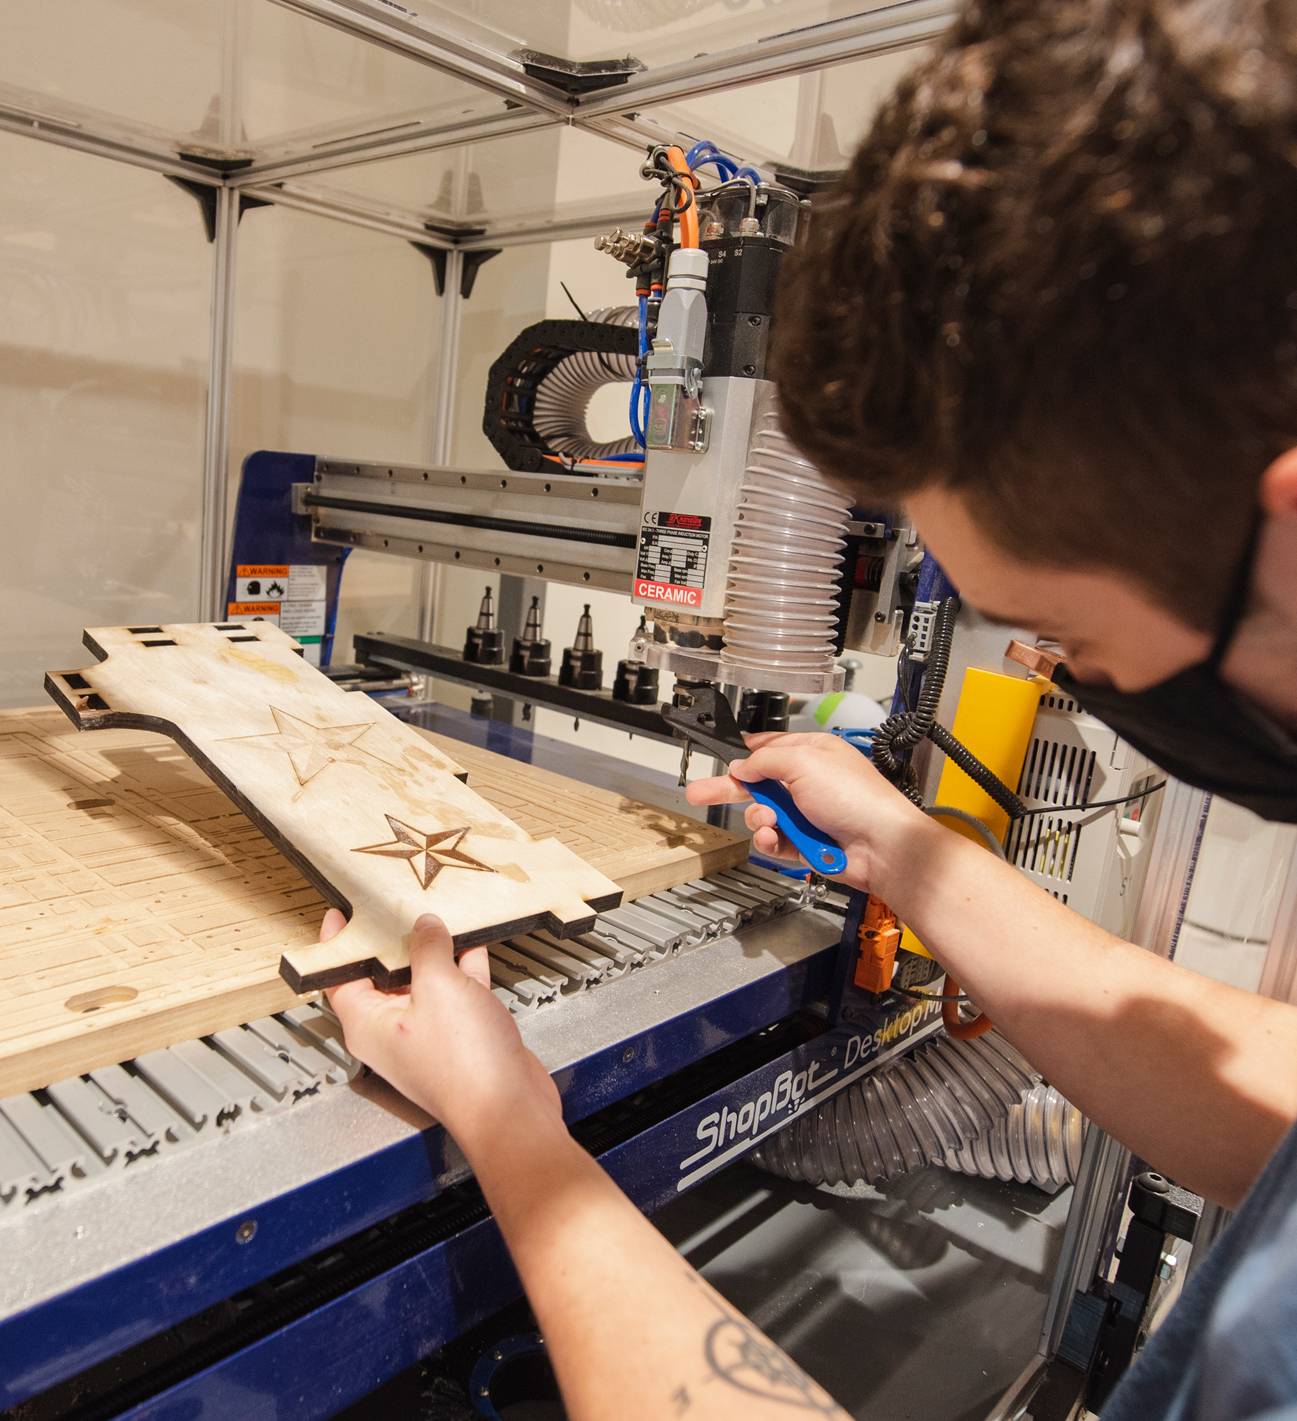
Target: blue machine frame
[(342, 1351), (267, 531)]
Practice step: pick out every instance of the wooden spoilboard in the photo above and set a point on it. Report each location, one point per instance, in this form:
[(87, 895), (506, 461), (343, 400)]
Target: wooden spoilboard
[(370, 813), (139, 907)]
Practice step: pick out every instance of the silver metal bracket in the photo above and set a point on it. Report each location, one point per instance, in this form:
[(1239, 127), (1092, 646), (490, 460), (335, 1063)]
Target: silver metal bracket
[(677, 420), (700, 428)]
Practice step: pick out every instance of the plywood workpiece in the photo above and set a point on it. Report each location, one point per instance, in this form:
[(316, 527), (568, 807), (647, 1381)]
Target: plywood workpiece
[(371, 814), (139, 907)]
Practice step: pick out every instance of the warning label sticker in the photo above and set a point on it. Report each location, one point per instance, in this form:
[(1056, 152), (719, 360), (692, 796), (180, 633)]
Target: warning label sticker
[(253, 611), (301, 619), (260, 583), (671, 566), (291, 595), (279, 581)]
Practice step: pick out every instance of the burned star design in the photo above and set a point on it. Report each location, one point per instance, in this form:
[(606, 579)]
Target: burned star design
[(311, 748), (427, 853)]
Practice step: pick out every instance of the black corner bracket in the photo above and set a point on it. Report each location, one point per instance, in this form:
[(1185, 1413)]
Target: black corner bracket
[(574, 77), (808, 183), (204, 194), (473, 262)]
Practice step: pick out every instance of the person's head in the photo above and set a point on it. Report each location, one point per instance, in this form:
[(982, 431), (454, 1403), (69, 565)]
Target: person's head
[(1052, 309)]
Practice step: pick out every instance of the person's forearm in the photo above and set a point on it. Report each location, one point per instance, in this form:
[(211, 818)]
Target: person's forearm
[(1198, 1078), (631, 1328)]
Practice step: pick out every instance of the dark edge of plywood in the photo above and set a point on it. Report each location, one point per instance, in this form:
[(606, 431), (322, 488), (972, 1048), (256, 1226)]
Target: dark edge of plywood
[(302, 983)]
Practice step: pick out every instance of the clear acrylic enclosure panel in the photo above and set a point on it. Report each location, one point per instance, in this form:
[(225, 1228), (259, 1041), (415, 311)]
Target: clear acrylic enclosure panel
[(546, 174), (105, 286), (240, 78), (337, 336), (811, 121), (656, 32)]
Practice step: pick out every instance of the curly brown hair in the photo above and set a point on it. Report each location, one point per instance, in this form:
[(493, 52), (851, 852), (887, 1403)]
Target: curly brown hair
[(1060, 277)]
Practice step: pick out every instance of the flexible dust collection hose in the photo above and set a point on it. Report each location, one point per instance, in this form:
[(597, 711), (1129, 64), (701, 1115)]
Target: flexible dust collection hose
[(1038, 1142), (942, 1104), (902, 1117), (781, 600)]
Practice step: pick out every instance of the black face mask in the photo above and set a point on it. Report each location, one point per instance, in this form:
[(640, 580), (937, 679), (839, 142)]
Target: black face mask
[(1201, 731)]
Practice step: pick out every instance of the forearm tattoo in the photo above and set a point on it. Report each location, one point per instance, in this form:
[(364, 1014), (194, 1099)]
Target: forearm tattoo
[(738, 1355)]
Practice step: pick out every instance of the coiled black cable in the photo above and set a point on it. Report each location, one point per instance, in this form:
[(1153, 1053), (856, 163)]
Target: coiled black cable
[(976, 771), (900, 733), (894, 740)]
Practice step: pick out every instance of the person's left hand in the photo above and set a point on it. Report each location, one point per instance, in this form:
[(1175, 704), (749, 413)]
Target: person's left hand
[(446, 1042)]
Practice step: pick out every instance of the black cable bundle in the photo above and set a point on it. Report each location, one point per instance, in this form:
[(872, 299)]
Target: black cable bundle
[(895, 740)]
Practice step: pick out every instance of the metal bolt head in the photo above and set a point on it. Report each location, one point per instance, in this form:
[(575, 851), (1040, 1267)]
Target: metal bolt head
[(749, 227), (246, 1231), (628, 1055)]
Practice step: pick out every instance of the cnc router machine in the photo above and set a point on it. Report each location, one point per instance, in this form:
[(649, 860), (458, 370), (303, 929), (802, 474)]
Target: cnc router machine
[(240, 1217)]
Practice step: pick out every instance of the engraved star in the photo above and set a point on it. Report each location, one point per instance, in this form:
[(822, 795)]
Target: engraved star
[(311, 748), (426, 853)]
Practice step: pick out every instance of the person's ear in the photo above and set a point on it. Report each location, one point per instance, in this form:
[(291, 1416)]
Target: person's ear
[(1278, 491)]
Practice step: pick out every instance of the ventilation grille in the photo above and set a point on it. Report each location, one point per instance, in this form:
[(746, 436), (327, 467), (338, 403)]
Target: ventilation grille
[(1046, 845), (1056, 774), (1055, 701)]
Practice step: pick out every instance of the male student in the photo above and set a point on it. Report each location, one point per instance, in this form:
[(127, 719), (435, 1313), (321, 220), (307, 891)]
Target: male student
[(1053, 310)]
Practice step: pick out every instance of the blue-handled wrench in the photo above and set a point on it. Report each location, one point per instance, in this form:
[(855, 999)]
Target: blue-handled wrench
[(703, 717)]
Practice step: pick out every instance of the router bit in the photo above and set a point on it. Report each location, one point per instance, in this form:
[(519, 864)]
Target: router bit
[(582, 665), (531, 652), (484, 642), (682, 699)]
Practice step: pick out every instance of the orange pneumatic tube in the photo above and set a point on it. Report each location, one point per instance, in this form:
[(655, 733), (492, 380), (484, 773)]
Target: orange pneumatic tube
[(688, 216), (960, 1030)]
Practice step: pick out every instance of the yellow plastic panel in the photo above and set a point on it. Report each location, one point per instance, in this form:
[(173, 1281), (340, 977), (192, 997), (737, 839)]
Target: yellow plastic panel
[(994, 719)]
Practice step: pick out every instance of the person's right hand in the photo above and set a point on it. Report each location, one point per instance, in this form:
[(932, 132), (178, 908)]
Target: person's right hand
[(446, 1043), (839, 791)]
